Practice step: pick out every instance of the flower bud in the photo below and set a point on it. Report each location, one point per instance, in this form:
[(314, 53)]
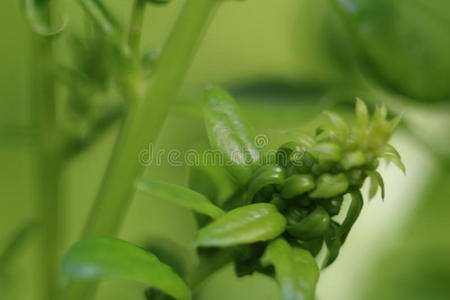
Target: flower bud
[(327, 151), (329, 185), (312, 227), (286, 152), (297, 185), (352, 159)]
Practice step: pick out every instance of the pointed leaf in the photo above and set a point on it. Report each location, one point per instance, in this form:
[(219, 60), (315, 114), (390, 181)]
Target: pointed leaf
[(230, 133), (243, 225), (339, 124), (391, 155), (376, 180), (97, 258), (374, 184), (296, 270), (362, 113), (180, 195)]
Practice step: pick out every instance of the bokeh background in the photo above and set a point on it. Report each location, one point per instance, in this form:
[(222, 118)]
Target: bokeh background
[(285, 61)]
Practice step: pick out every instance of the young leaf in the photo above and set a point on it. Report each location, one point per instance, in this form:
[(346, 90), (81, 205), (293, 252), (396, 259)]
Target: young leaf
[(362, 113), (296, 270), (339, 124), (376, 180), (391, 155), (228, 132), (97, 258), (243, 225), (180, 195), (352, 215), (333, 243)]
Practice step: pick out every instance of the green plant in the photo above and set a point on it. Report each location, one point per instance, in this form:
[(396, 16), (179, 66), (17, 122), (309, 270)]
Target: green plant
[(280, 211), (279, 214)]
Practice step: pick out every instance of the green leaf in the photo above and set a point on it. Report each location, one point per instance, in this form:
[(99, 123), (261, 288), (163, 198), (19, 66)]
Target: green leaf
[(391, 155), (243, 225), (339, 124), (353, 212), (404, 43), (376, 180), (180, 195), (97, 258), (230, 133), (333, 243), (362, 113), (296, 270)]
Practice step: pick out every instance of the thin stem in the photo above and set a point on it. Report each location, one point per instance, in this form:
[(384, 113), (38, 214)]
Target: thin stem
[(100, 15), (135, 30), (48, 156), (16, 243), (145, 116)]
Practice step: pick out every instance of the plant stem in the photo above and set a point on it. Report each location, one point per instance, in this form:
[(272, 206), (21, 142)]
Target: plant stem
[(100, 15), (143, 121), (207, 266), (48, 156), (135, 30)]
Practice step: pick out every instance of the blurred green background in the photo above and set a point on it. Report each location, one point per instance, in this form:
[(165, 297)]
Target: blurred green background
[(285, 61)]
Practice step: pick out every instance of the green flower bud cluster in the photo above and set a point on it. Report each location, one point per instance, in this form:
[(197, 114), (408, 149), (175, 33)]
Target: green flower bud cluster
[(309, 177)]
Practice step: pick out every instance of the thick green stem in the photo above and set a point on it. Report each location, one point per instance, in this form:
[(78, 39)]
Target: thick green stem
[(145, 116), (48, 158)]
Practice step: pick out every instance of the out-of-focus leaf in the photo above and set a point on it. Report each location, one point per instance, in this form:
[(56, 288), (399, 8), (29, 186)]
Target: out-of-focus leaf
[(98, 258), (243, 225), (230, 133), (180, 195), (169, 252), (404, 43), (296, 270)]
